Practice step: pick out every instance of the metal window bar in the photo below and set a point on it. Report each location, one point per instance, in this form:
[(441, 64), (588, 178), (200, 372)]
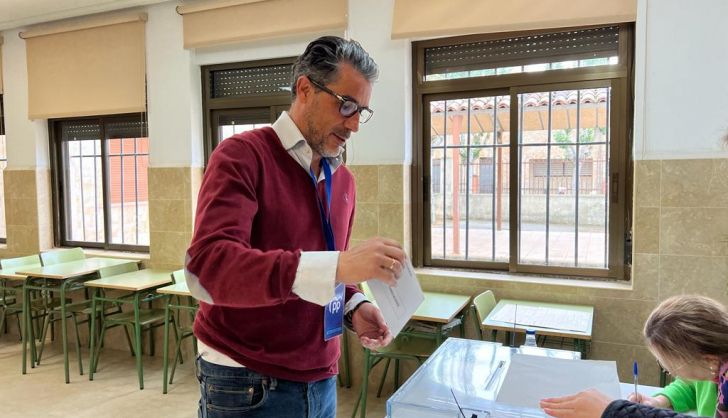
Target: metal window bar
[(467, 187), (96, 195), (577, 163), (493, 185), (607, 183), (444, 183), (136, 192), (548, 177)]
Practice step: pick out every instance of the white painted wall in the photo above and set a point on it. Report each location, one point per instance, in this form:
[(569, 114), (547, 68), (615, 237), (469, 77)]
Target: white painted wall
[(173, 92), (681, 111), (26, 140)]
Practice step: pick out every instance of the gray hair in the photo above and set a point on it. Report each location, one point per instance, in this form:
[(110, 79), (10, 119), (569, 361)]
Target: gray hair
[(688, 326), (322, 57)]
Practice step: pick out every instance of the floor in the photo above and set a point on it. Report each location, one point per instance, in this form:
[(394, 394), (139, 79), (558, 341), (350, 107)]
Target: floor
[(114, 392)]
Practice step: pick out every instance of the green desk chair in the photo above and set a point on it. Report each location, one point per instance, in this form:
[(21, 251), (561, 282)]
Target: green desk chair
[(61, 256), (137, 319), (83, 307), (404, 347), (181, 331), (483, 304), (11, 295)]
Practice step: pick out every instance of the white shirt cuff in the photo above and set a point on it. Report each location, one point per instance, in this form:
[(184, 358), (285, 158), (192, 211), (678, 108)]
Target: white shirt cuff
[(356, 299), (316, 276)]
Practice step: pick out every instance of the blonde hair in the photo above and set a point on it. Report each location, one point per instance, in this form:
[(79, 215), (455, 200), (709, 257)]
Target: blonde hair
[(686, 327)]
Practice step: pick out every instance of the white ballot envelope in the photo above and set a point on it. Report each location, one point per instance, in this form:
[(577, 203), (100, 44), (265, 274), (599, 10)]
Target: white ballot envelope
[(398, 303)]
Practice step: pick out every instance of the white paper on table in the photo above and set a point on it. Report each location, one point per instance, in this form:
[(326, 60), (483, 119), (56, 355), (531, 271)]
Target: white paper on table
[(398, 303), (544, 317), (547, 377)]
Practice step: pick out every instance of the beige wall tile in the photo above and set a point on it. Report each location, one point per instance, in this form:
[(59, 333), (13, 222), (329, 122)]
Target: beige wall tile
[(620, 320), (169, 182), (647, 230), (645, 276), (391, 221), (694, 275), (21, 212), (20, 184), (168, 248), (366, 221), (694, 183), (391, 184), (624, 355), (694, 231), (172, 215), (647, 183), (367, 182)]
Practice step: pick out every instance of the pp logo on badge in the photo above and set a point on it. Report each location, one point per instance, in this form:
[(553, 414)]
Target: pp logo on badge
[(335, 304)]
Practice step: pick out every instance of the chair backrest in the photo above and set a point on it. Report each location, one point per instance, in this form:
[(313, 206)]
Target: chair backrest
[(178, 276), (62, 256), (484, 303), (118, 269), (28, 260)]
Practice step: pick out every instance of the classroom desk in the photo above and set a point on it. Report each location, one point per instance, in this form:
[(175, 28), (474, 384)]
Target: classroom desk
[(442, 309), (59, 278), (581, 337), (137, 282), (180, 290)]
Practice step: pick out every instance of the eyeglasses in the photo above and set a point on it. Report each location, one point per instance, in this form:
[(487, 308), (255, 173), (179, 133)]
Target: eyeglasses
[(347, 106)]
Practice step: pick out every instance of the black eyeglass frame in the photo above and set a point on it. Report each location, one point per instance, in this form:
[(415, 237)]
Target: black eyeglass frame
[(365, 113)]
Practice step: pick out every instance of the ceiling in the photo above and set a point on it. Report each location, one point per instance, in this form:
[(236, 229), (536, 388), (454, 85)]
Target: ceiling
[(20, 13)]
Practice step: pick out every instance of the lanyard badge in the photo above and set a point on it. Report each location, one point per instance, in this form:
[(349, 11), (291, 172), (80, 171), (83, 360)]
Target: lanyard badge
[(334, 310)]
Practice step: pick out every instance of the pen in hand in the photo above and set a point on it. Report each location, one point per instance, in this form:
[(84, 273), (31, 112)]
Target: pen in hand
[(635, 374)]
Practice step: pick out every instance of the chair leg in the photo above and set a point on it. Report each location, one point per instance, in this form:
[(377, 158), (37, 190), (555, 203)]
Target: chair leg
[(396, 374), (384, 376), (165, 348), (78, 344), (97, 353), (128, 339), (365, 383), (177, 357), (43, 334)]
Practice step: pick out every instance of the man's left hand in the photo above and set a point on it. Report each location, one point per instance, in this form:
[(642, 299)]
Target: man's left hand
[(369, 325)]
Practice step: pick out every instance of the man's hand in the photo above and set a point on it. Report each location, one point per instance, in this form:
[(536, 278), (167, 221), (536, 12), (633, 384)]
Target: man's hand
[(587, 404), (376, 258), (369, 325)]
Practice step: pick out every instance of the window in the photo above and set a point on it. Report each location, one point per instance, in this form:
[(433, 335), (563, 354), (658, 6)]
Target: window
[(100, 182), (3, 165), (522, 148), (243, 96)]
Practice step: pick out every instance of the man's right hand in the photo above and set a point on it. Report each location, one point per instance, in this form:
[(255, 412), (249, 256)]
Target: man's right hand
[(658, 401), (375, 258)]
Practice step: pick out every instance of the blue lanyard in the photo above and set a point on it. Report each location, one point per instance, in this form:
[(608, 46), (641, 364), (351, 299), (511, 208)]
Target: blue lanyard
[(325, 213)]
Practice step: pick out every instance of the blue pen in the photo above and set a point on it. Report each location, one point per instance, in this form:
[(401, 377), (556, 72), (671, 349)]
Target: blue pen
[(635, 373)]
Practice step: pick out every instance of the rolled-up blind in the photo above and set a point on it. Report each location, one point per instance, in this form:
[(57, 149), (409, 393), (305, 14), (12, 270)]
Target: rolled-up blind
[(427, 18), (600, 42), (90, 66), (226, 21)]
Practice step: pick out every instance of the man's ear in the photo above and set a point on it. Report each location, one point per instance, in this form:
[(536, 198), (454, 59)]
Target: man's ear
[(304, 88)]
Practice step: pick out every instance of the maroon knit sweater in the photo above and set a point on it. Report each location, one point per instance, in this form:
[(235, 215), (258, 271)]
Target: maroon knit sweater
[(256, 212)]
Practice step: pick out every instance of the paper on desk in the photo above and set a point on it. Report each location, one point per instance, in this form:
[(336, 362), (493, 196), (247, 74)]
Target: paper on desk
[(544, 317), (546, 377), (398, 303)]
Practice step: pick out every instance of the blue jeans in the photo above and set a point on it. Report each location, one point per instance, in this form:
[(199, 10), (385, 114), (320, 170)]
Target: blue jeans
[(241, 392)]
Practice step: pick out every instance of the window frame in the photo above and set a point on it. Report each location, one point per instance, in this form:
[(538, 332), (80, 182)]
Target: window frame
[(3, 240), (59, 180), (212, 107), (620, 77)]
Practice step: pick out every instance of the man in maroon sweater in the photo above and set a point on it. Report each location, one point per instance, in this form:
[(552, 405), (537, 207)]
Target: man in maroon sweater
[(269, 260)]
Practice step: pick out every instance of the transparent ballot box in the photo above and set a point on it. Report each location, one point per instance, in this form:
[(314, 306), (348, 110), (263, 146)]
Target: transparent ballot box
[(463, 375)]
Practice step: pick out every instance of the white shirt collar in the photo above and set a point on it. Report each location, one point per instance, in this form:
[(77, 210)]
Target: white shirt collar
[(293, 141)]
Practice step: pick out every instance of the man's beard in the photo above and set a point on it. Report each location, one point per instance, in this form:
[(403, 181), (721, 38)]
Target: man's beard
[(317, 142)]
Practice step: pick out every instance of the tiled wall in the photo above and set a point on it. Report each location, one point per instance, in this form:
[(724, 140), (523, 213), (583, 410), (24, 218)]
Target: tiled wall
[(27, 212), (172, 202)]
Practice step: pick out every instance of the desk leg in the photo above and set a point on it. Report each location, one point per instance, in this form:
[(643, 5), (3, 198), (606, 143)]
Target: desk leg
[(438, 336), (26, 322), (92, 335), (138, 342), (64, 336), (165, 349)]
